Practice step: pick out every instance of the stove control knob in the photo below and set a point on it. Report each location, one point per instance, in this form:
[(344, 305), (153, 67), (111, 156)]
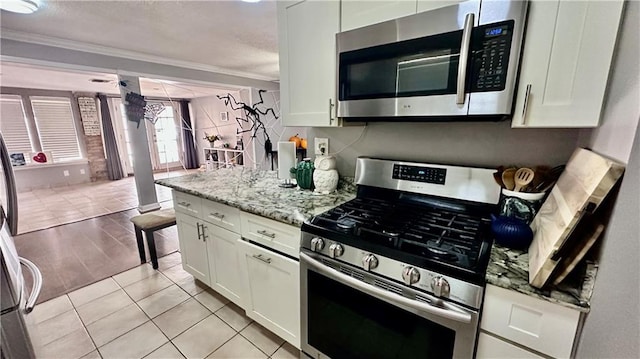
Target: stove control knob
[(369, 262), (317, 244), (440, 287), (335, 250), (410, 275)]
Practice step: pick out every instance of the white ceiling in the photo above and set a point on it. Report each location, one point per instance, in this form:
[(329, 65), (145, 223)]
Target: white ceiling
[(34, 77), (231, 36)]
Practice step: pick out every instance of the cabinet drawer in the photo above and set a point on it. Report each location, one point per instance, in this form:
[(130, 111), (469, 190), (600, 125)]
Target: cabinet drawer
[(221, 215), (279, 236), (490, 347), (187, 203), (542, 326)]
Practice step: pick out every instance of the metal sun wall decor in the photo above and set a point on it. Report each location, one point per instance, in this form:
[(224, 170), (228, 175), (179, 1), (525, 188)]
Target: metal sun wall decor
[(252, 114)]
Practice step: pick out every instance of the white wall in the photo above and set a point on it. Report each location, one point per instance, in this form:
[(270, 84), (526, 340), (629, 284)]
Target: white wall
[(612, 329), (31, 53), (206, 112), (273, 125), (465, 143)]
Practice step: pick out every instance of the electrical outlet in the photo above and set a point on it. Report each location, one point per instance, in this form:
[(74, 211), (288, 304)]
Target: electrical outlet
[(66, 173), (321, 146), (82, 171)]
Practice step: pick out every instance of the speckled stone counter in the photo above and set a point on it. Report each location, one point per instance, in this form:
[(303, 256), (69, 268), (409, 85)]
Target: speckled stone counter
[(509, 269), (257, 192)]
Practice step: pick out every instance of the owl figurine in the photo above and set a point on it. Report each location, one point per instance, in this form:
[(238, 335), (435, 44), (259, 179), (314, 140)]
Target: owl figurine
[(325, 176)]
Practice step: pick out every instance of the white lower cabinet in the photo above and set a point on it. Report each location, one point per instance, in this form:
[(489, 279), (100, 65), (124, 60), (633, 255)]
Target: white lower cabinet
[(272, 296), (224, 262), (193, 247), (537, 326), (265, 283), (491, 347)]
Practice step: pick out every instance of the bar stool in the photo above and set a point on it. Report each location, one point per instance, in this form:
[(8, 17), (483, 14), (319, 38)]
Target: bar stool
[(149, 223)]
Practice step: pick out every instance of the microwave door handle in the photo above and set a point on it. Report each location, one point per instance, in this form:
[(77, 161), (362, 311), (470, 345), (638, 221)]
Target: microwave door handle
[(37, 284), (464, 58), (449, 312)]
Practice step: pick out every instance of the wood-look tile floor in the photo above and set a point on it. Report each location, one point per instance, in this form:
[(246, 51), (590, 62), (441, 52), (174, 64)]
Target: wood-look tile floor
[(74, 255), (83, 251), (143, 313)]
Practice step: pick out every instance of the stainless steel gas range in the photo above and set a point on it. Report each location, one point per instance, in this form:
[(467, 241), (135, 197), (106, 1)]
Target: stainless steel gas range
[(398, 272)]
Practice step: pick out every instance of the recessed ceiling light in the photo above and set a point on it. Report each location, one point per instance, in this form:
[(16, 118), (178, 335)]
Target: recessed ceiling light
[(20, 6), (251, 0)]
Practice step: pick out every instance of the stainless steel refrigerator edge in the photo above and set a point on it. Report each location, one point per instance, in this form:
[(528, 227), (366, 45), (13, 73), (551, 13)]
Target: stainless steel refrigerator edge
[(15, 342)]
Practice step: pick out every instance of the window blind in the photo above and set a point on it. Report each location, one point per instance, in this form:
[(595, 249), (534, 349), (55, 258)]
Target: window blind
[(56, 127), (13, 125)]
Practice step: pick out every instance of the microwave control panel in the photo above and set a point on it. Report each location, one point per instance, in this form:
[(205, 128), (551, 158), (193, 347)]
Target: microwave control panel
[(491, 56), (420, 174)]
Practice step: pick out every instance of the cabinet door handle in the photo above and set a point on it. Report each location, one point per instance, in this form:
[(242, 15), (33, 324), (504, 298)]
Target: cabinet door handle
[(260, 257), (526, 103), (331, 107), (204, 235), (198, 226), (217, 216), (267, 234), (186, 204)]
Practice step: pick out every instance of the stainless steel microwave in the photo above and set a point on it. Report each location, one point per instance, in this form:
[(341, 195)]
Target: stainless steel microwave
[(458, 62)]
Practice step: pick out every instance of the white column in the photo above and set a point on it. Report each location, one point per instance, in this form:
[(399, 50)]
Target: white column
[(142, 168)]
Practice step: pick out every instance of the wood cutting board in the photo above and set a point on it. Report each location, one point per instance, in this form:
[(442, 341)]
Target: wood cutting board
[(580, 189)]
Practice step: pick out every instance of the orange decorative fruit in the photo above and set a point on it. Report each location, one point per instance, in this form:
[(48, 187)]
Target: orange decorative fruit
[(296, 140), (303, 143)]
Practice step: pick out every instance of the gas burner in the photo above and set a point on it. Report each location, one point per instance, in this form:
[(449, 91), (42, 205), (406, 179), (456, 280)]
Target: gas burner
[(346, 223)]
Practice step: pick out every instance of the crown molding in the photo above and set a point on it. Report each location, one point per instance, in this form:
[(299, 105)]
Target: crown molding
[(111, 51)]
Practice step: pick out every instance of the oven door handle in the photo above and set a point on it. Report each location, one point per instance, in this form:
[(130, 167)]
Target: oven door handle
[(449, 312)]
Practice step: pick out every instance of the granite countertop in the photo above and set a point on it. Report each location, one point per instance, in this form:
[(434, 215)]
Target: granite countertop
[(257, 192), (509, 268)]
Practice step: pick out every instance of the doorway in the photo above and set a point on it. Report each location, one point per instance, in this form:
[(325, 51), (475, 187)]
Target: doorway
[(164, 137)]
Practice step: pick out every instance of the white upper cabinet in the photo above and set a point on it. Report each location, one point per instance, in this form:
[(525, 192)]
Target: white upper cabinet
[(426, 5), (307, 41), (357, 14), (565, 65)]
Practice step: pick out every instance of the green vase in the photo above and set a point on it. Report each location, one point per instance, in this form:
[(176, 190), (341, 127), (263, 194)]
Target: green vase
[(304, 174)]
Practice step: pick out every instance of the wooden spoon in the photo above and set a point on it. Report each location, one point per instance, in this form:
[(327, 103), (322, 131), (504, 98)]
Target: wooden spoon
[(507, 178), (523, 177)]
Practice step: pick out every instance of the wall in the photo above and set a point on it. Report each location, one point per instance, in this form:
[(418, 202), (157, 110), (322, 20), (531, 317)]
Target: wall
[(51, 175), (206, 112), (465, 143), (39, 54), (95, 146), (612, 328), (274, 128)]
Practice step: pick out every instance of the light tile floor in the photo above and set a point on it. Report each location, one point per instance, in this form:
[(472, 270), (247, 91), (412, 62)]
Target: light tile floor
[(49, 207), (142, 313)]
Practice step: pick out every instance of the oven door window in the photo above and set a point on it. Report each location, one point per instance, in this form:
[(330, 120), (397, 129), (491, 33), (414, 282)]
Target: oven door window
[(418, 67), (346, 323)]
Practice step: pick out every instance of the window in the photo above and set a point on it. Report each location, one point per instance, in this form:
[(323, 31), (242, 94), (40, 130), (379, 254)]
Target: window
[(56, 127), (13, 125)]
